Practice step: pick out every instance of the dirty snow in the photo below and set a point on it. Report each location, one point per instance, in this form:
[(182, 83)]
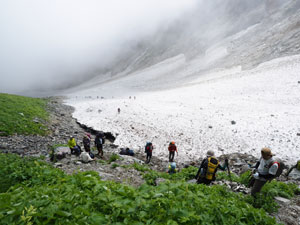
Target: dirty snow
[(198, 115)]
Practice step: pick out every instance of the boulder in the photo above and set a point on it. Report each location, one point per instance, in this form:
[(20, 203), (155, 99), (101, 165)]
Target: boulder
[(282, 200), (295, 175), (61, 152)]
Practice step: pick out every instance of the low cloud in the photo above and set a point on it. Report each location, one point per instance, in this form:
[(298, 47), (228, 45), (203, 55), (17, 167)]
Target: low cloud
[(45, 44)]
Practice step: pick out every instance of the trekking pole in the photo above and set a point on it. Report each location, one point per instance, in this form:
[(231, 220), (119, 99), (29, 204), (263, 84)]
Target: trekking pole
[(228, 169)]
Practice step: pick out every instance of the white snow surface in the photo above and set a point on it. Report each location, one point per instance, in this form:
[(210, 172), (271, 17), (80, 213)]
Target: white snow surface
[(198, 115)]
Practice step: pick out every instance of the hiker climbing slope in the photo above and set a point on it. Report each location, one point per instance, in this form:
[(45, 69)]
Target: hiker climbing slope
[(208, 169), (172, 148), (266, 169)]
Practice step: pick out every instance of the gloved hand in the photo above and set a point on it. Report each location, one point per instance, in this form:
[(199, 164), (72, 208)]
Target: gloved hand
[(256, 175)]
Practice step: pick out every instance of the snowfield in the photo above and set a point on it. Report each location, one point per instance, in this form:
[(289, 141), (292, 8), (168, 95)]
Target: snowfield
[(224, 110)]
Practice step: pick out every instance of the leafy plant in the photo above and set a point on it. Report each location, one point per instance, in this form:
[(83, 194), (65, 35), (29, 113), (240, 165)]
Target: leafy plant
[(41, 194)]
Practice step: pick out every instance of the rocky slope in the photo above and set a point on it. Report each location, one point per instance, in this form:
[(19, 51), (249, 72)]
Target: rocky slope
[(62, 125)]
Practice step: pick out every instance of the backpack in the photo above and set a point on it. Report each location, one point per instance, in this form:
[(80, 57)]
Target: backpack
[(147, 147), (131, 152), (281, 166), (212, 164), (86, 141)]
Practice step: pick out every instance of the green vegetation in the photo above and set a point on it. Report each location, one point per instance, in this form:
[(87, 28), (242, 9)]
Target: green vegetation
[(114, 165), (114, 157), (22, 115), (37, 193)]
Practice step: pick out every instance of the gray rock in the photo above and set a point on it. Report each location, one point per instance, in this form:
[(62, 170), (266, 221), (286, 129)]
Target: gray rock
[(159, 181), (58, 165), (282, 200), (194, 181), (106, 176), (295, 174), (61, 152), (244, 169)]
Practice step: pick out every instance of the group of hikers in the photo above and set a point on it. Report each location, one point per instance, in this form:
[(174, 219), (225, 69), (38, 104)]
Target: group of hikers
[(266, 169), (87, 154)]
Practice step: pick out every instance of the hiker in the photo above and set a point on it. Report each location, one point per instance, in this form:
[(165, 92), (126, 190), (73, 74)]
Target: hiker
[(85, 157), (265, 170), (172, 148), (208, 169), (172, 168), (87, 142), (99, 141), (126, 151), (297, 166), (148, 150), (75, 149)]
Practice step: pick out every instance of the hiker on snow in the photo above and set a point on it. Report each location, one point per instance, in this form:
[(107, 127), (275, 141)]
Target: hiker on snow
[(265, 170), (148, 150), (208, 169), (75, 149), (297, 166), (99, 141), (172, 148)]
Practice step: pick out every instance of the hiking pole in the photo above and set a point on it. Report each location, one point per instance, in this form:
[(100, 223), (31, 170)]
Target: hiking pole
[(228, 170)]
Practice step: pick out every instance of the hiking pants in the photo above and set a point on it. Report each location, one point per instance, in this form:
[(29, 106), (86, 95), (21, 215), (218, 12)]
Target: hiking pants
[(203, 180), (258, 184), (87, 148), (171, 156), (149, 155), (100, 149)]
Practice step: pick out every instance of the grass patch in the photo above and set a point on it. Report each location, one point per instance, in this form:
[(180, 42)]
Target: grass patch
[(113, 157), (22, 115), (41, 194), (115, 165)]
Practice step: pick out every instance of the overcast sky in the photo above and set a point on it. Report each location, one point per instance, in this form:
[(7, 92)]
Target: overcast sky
[(44, 42)]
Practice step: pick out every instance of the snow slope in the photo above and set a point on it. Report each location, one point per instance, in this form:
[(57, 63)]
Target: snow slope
[(197, 113)]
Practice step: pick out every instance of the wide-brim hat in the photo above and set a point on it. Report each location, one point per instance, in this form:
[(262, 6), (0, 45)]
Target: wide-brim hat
[(267, 151)]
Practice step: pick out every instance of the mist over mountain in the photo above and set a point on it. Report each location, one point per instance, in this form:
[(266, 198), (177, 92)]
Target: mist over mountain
[(212, 34)]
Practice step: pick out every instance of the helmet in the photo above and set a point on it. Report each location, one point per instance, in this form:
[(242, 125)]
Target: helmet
[(173, 142)]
